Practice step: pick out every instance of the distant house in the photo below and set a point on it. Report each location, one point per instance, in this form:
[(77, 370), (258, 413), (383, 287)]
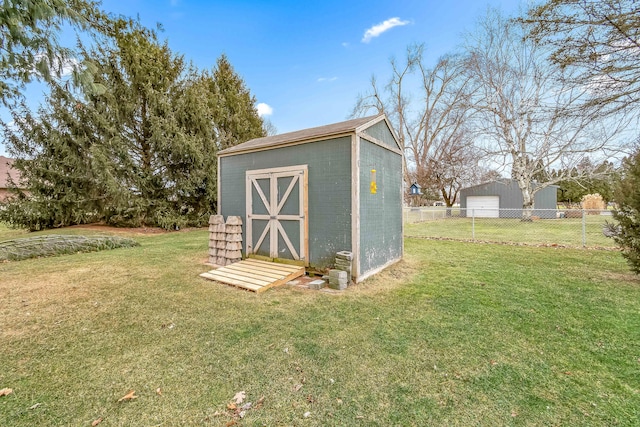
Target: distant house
[(7, 171), (503, 199)]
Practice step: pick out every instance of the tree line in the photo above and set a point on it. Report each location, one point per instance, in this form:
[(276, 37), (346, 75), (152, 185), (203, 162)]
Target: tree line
[(131, 139)]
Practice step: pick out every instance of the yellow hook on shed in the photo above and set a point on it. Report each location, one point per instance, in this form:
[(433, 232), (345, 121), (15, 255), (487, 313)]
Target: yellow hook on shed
[(373, 187)]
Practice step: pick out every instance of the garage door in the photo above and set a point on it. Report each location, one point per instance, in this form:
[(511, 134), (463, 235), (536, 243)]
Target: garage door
[(483, 206)]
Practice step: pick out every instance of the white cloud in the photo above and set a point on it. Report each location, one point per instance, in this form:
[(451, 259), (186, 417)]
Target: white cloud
[(327, 79), (264, 109), (376, 30), (69, 65), (66, 69), (345, 44)]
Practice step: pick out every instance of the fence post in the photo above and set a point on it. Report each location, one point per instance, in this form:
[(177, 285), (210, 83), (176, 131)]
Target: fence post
[(584, 228), (473, 224), (421, 216)]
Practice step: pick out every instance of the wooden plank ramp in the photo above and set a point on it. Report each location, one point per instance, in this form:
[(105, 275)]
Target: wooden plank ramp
[(255, 275)]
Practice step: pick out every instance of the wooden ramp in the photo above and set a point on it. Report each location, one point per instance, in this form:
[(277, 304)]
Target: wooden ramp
[(255, 275)]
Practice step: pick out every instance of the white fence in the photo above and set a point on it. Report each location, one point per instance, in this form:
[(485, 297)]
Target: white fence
[(561, 227)]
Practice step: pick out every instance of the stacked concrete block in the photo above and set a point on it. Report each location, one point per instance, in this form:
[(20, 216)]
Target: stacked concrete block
[(344, 262), (216, 229), (225, 240), (233, 239), (338, 279)]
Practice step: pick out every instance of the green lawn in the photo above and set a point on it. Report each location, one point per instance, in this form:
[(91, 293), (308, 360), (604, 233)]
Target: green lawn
[(456, 334), (564, 231)]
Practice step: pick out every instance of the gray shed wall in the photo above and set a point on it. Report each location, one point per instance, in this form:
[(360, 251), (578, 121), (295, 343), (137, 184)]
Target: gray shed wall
[(329, 191), (547, 198), (380, 213), (511, 198), (381, 132)]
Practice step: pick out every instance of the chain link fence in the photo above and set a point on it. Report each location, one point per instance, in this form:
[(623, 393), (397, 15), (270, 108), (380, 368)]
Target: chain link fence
[(561, 227)]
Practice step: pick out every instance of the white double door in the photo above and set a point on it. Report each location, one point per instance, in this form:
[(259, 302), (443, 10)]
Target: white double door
[(277, 213)]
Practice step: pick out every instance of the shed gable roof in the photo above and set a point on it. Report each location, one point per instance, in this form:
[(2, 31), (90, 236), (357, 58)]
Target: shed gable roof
[(302, 135), (6, 170)]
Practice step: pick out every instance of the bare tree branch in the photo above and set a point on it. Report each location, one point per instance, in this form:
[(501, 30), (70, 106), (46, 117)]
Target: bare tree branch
[(599, 40), (528, 112), (439, 149)]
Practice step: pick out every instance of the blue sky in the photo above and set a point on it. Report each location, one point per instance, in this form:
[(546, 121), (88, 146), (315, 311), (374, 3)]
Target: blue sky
[(307, 61)]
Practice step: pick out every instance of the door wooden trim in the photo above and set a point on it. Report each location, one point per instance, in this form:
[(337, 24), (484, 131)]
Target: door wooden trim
[(274, 228)]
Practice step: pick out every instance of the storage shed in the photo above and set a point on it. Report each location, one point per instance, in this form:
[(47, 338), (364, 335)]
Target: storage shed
[(309, 194), (503, 199)]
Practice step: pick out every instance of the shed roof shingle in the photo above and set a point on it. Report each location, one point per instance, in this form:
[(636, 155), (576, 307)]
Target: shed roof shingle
[(300, 135), (6, 170)]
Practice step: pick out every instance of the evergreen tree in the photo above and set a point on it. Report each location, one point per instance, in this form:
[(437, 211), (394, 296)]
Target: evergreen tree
[(236, 117), (142, 152), (576, 186), (628, 212), (157, 125), (28, 37), (54, 157), (135, 119)]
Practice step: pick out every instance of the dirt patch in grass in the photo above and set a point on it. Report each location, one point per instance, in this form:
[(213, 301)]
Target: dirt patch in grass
[(390, 278), (110, 229), (509, 243), (128, 230), (629, 278)]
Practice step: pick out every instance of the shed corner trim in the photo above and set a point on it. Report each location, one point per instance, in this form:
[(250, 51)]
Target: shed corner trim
[(355, 202)]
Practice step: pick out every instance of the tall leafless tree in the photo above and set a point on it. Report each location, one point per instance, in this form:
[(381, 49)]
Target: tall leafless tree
[(432, 127), (599, 40), (454, 166), (526, 109)]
